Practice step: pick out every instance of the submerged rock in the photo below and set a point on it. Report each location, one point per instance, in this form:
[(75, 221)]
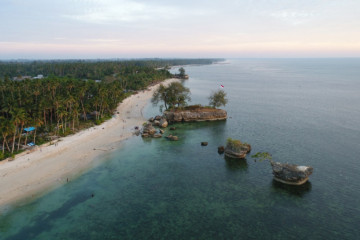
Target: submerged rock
[(290, 173), (172, 138), (145, 135), (157, 135), (204, 143)]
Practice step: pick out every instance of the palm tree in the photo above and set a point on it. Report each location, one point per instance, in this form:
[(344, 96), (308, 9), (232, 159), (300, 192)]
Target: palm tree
[(18, 115), (6, 129), (37, 123)]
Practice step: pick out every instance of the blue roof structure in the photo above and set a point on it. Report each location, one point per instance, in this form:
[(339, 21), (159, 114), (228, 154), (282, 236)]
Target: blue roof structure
[(29, 129)]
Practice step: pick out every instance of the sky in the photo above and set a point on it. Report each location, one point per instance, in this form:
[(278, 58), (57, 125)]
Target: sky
[(67, 29)]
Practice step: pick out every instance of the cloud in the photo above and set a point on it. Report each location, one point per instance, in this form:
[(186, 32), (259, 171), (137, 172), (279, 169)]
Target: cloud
[(292, 16), (112, 11)]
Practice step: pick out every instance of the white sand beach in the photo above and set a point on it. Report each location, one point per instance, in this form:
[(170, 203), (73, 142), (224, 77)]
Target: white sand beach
[(32, 174)]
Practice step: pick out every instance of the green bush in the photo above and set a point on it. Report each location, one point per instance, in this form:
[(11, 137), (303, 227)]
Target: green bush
[(234, 145), (98, 121)]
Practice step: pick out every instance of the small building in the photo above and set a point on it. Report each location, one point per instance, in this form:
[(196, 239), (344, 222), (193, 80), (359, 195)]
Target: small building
[(39, 76), (29, 129)]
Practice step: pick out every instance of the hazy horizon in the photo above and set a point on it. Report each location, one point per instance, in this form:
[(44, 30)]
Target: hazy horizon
[(124, 29)]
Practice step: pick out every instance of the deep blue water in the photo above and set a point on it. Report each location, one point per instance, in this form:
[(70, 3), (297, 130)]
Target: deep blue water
[(302, 111)]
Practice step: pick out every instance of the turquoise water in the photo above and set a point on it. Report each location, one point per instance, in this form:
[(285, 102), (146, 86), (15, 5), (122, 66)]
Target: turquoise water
[(303, 111)]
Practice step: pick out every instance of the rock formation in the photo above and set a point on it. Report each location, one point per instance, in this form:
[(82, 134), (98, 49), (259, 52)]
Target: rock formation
[(157, 135), (235, 154), (163, 123), (195, 115), (148, 129), (172, 138), (290, 173), (236, 149), (221, 149)]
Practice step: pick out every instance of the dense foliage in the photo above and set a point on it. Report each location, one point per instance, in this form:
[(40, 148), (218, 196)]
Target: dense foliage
[(90, 69), (174, 95), (72, 95), (218, 98)]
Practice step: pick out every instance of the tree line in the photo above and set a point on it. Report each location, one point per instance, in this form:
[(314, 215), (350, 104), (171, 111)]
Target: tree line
[(62, 105), (89, 69), (68, 98)]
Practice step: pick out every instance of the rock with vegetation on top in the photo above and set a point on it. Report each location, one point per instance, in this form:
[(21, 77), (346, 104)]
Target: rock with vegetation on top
[(235, 148), (195, 114), (290, 173), (163, 123)]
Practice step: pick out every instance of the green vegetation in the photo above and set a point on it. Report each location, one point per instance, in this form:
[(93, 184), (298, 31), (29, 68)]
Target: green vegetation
[(181, 72), (94, 69), (234, 145), (218, 98), (261, 156), (174, 95), (73, 95)]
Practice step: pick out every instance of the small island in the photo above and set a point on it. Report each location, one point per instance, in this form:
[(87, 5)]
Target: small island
[(195, 113)]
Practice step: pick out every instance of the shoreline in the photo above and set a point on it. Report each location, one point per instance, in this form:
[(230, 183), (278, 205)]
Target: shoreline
[(33, 174)]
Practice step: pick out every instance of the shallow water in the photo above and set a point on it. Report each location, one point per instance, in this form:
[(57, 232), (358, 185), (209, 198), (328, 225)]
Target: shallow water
[(302, 111)]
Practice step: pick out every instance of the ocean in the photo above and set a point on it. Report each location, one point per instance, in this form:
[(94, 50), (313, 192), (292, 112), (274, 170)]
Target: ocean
[(302, 111)]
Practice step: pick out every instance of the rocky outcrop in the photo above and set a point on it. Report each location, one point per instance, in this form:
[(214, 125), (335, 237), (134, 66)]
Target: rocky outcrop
[(172, 138), (235, 154), (236, 149), (246, 147), (290, 173), (148, 129), (157, 135), (195, 115), (163, 123), (221, 149)]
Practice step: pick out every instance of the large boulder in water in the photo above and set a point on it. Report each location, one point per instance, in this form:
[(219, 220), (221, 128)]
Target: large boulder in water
[(163, 123), (235, 154), (236, 149), (290, 173), (149, 129)]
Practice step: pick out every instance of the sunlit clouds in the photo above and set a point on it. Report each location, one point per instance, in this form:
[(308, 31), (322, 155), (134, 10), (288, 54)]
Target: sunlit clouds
[(158, 28)]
